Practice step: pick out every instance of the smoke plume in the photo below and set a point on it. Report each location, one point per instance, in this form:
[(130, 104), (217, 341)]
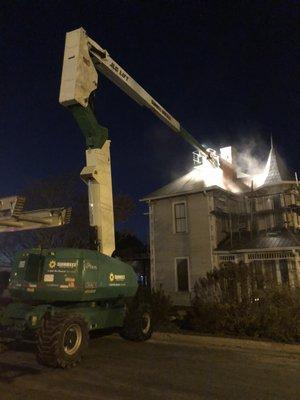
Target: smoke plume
[(251, 160)]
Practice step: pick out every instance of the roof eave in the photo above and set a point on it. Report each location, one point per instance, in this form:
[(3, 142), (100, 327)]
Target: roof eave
[(209, 188), (275, 184), (256, 250)]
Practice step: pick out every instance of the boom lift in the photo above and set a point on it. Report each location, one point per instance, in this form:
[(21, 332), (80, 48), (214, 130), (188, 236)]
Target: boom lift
[(60, 295), (83, 57)]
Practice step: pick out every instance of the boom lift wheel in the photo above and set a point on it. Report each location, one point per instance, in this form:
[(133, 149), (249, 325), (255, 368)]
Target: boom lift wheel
[(138, 324), (62, 340)]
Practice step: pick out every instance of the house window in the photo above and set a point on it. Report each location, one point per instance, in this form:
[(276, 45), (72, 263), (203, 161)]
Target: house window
[(182, 274), (284, 271), (277, 201), (278, 216), (180, 217)]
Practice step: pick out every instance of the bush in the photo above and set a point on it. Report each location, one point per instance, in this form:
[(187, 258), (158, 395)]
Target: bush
[(160, 303), (275, 314), (279, 315)]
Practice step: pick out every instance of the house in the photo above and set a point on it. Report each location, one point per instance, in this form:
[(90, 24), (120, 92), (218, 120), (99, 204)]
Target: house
[(213, 217)]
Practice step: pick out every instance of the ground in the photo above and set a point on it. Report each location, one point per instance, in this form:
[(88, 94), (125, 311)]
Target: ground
[(169, 366)]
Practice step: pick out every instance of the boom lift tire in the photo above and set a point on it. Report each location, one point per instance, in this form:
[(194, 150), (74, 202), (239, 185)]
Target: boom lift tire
[(62, 340), (138, 325)]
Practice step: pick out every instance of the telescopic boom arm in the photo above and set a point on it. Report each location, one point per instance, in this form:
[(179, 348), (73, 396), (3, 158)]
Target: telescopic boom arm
[(84, 56)]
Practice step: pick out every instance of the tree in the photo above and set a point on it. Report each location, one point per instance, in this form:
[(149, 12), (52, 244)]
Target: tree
[(128, 246), (62, 191), (123, 207)]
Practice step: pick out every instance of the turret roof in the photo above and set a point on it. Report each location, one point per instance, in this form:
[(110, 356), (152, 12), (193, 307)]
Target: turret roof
[(276, 170)]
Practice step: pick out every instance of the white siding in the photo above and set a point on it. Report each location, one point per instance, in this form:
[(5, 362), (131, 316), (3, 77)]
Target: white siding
[(194, 244)]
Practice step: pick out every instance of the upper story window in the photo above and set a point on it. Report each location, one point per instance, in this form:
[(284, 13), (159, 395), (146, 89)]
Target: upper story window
[(277, 201), (180, 217)]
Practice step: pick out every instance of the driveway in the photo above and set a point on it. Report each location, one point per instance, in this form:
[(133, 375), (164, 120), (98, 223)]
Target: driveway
[(169, 366)]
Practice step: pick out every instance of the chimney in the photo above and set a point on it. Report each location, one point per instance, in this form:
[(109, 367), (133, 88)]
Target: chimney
[(229, 154), (228, 162)]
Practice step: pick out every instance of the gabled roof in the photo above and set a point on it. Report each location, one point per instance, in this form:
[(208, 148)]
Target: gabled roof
[(276, 170), (200, 179), (184, 184)]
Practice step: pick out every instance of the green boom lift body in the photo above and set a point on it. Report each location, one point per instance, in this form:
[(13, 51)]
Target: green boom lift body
[(60, 295), (94, 285)]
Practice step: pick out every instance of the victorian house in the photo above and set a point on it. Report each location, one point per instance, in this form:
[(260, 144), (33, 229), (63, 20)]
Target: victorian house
[(213, 217)]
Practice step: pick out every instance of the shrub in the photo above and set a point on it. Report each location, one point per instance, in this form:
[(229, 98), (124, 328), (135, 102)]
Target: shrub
[(161, 305), (278, 313), (275, 315)]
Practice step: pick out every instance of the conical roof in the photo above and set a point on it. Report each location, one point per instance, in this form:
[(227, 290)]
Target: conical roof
[(276, 170)]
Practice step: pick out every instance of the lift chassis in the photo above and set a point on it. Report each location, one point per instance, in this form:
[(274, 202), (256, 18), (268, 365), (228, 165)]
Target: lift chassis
[(61, 295)]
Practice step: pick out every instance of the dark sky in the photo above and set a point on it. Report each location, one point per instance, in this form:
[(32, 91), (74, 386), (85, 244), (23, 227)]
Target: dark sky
[(227, 73)]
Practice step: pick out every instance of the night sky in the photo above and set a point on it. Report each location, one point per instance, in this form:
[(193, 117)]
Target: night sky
[(227, 73)]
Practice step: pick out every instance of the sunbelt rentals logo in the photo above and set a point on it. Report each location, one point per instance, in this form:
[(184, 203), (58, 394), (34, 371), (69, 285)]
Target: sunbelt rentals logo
[(116, 278)]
